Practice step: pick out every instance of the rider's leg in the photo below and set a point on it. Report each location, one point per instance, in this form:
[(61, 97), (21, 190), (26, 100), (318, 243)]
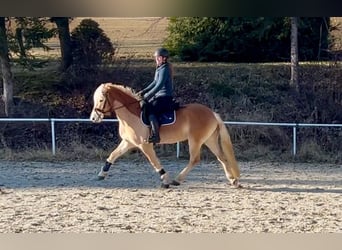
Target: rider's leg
[(154, 138)]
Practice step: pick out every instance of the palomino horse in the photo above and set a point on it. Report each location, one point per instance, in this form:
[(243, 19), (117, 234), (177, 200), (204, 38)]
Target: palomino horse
[(195, 122)]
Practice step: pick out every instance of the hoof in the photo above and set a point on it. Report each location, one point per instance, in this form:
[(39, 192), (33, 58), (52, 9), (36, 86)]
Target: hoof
[(236, 184), (102, 175), (100, 178), (165, 185), (175, 183)]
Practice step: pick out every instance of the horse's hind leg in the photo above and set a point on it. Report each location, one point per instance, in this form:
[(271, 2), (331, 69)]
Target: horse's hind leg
[(122, 148), (213, 144), (194, 150)]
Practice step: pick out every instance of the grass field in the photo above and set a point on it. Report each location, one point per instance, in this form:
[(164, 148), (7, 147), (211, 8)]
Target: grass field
[(134, 36)]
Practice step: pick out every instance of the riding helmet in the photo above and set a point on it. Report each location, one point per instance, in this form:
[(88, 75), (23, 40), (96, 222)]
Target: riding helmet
[(161, 52)]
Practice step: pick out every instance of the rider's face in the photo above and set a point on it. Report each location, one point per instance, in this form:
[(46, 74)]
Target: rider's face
[(159, 60)]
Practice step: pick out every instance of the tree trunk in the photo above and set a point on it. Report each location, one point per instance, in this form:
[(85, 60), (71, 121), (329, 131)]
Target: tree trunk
[(294, 53), (7, 79), (19, 36), (64, 40)]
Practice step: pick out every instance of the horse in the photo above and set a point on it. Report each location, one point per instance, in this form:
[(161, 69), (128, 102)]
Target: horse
[(195, 122)]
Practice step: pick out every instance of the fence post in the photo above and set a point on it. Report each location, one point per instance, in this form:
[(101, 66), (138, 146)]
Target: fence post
[(294, 140), (53, 136)]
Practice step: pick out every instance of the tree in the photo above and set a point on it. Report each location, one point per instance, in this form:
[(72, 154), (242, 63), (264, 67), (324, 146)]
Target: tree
[(64, 40), (245, 39), (294, 53), (33, 32), (233, 39), (28, 33), (7, 79), (90, 45), (91, 50)]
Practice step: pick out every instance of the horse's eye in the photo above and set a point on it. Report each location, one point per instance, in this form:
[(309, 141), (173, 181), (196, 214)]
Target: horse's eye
[(101, 101)]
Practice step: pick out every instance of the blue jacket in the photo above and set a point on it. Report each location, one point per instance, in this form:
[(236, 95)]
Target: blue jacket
[(162, 84)]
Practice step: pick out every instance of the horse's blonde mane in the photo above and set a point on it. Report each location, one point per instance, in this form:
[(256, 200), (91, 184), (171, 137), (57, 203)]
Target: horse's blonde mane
[(127, 90)]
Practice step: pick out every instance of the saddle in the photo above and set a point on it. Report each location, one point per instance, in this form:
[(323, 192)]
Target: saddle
[(165, 118)]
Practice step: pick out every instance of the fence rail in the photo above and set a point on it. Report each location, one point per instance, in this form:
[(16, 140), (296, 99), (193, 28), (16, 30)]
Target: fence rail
[(52, 121)]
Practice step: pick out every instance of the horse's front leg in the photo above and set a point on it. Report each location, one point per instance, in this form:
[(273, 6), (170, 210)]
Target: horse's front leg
[(149, 152), (122, 148)]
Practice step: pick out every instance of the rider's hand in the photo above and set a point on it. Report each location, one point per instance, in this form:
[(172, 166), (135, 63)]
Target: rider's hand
[(142, 102), (140, 95)]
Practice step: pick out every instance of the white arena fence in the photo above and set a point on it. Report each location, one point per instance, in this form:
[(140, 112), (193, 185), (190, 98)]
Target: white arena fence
[(52, 121)]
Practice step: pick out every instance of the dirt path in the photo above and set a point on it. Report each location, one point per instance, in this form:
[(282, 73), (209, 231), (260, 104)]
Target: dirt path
[(66, 197)]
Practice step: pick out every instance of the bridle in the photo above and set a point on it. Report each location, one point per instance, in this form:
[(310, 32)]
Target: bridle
[(102, 111)]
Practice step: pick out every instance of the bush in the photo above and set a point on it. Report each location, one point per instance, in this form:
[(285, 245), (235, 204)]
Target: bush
[(248, 39), (92, 51), (90, 45)]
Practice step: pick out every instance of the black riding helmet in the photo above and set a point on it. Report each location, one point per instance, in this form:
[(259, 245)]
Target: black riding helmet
[(161, 52)]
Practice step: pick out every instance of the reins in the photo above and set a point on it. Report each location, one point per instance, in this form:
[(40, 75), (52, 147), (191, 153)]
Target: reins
[(124, 105), (112, 108)]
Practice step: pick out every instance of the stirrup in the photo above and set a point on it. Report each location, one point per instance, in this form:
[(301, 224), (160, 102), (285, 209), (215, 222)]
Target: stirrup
[(154, 139)]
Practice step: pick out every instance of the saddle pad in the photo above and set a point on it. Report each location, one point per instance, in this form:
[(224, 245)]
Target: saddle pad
[(167, 118)]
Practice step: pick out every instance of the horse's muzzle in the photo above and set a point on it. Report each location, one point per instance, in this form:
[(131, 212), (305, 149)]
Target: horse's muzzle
[(96, 117)]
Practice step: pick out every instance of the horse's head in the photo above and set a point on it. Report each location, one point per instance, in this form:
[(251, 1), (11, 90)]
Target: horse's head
[(110, 98), (102, 107)]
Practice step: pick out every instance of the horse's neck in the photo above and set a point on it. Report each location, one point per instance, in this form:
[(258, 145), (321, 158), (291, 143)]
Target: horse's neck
[(127, 114), (127, 110), (126, 104), (126, 117)]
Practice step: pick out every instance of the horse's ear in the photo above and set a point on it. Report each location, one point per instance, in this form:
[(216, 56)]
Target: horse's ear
[(106, 86)]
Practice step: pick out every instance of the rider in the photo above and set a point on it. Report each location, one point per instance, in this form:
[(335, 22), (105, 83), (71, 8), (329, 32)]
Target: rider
[(158, 95)]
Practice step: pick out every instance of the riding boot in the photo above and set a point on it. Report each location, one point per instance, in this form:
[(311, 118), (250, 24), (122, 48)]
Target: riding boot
[(154, 138)]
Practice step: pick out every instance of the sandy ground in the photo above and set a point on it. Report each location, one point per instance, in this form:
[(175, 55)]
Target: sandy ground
[(67, 197)]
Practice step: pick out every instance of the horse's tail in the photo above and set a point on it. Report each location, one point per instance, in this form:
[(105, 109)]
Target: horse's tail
[(227, 147)]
